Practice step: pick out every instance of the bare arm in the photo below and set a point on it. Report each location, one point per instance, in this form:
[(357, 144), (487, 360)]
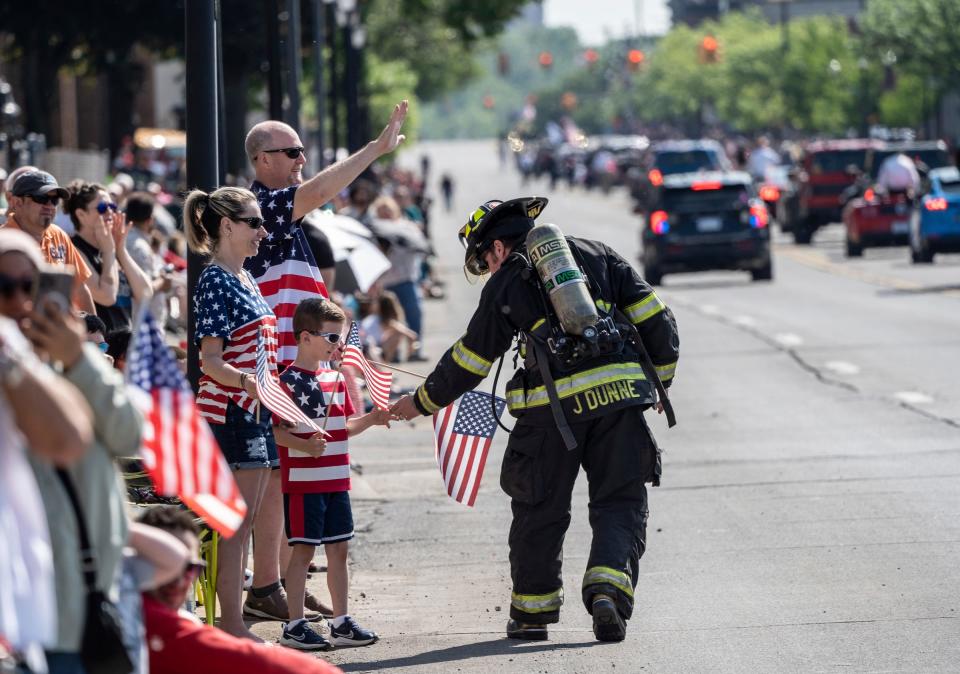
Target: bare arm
[(83, 300), (315, 445), (103, 286), (140, 284), (322, 187), (378, 417), (164, 551)]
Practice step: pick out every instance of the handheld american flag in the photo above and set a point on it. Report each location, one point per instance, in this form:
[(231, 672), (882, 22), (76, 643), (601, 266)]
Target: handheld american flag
[(464, 432), (275, 399), (378, 383), (179, 451)]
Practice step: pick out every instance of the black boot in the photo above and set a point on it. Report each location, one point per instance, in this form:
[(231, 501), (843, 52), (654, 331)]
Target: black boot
[(528, 631), (608, 624)]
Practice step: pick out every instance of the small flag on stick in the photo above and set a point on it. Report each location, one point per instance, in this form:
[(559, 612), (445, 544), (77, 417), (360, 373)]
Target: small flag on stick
[(464, 432), (378, 383)]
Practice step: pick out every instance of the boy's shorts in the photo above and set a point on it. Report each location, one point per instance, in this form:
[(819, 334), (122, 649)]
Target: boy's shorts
[(315, 519)]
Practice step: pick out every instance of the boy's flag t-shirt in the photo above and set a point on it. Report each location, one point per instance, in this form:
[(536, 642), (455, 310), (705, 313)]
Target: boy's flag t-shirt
[(319, 394)]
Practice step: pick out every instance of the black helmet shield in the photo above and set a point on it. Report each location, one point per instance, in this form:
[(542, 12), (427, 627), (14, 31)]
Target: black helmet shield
[(496, 219)]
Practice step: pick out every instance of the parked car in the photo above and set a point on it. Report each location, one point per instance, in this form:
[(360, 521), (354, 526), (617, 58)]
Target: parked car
[(935, 227), (827, 170), (701, 221), (877, 219)]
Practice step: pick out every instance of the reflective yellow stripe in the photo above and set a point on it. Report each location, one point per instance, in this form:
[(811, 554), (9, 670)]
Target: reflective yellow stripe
[(537, 324), (666, 372), (469, 360), (603, 306), (646, 308), (604, 574), (537, 603), (575, 383), (477, 214), (425, 401)]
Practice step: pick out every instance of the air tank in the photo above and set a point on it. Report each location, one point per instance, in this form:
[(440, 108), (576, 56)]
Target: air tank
[(560, 275)]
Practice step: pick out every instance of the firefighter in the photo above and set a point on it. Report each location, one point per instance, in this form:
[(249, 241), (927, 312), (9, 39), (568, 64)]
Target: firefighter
[(571, 411)]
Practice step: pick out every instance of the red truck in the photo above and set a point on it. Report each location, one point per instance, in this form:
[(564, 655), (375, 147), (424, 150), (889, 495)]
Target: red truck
[(826, 172)]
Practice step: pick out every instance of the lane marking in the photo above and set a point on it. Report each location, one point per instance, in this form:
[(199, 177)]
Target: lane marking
[(746, 321), (842, 367), (788, 339), (709, 309), (818, 260), (913, 397)]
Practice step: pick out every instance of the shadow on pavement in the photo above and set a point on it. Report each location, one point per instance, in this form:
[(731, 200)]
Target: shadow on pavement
[(500, 646), (924, 290)]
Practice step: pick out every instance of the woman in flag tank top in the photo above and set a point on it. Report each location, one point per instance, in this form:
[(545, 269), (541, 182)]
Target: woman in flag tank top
[(234, 326)]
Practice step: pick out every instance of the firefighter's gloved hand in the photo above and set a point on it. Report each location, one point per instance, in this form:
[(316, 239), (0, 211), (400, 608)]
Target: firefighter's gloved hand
[(405, 409), (659, 407)]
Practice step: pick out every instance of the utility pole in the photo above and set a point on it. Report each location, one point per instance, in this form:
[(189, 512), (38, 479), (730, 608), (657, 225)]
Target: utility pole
[(200, 41), (275, 59), (292, 69), (319, 37)]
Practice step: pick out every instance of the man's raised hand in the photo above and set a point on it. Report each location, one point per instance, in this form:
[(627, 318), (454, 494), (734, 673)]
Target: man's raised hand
[(390, 137)]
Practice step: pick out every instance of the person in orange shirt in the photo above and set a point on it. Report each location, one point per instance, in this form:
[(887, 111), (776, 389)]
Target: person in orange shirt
[(34, 200)]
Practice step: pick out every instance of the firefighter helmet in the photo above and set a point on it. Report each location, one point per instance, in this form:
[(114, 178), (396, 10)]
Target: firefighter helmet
[(496, 219)]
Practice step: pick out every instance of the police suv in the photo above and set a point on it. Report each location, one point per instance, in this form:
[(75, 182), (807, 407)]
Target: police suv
[(706, 220)]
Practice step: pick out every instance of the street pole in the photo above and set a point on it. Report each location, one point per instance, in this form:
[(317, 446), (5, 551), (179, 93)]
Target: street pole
[(292, 70), (351, 82), (200, 42), (275, 59), (334, 104), (319, 35)]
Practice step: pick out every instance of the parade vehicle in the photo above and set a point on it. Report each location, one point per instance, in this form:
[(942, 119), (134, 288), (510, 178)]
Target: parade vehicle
[(674, 157), (878, 218), (702, 221), (935, 227), (828, 169)]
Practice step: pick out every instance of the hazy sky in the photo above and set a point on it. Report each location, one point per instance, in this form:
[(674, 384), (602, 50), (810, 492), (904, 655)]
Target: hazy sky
[(595, 20)]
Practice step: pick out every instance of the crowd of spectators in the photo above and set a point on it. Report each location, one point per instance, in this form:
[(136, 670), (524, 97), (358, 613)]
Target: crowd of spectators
[(78, 262)]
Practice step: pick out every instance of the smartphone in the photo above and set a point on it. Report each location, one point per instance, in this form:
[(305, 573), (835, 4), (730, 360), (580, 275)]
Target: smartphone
[(56, 286)]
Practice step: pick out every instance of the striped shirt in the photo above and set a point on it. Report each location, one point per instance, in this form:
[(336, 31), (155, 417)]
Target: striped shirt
[(319, 394), (236, 313)]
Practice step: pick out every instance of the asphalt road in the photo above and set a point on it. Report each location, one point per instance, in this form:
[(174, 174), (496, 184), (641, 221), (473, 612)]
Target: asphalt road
[(808, 517)]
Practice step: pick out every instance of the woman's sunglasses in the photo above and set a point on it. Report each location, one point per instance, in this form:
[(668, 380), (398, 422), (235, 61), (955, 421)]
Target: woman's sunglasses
[(103, 206), (10, 285), (332, 337), (253, 222), (291, 152), (52, 199)]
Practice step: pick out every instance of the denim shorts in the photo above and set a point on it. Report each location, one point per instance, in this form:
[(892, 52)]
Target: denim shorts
[(245, 443), (315, 519)]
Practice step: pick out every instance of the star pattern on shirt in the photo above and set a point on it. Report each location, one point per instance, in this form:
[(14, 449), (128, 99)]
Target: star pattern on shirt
[(230, 307), (304, 389)]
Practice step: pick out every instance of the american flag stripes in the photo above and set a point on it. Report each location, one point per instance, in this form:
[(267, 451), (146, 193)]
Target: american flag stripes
[(284, 268), (464, 431), (179, 451), (274, 397), (378, 383)]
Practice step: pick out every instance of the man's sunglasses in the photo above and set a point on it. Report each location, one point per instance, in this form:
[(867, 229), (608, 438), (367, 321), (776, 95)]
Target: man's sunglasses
[(45, 199), (9, 285), (103, 206), (253, 222), (291, 152), (332, 337)]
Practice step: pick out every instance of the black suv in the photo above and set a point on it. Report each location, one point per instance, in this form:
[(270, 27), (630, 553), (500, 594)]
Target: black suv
[(700, 221), (671, 157)]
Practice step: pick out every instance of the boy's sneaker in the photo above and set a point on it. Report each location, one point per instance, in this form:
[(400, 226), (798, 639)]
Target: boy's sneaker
[(351, 634), (303, 638)]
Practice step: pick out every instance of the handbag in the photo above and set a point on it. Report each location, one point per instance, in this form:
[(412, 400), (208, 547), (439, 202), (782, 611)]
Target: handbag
[(102, 650)]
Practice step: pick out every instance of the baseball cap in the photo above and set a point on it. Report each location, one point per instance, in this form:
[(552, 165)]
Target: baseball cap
[(36, 184)]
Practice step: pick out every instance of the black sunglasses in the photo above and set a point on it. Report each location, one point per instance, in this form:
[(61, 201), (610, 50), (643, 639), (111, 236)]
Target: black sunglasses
[(253, 222), (9, 285), (196, 567), (332, 337), (45, 199), (104, 205), (292, 152)]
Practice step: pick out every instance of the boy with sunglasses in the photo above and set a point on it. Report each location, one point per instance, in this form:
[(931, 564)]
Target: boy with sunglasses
[(315, 474)]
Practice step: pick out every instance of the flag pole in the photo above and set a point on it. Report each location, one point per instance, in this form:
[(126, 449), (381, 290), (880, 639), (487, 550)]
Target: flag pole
[(398, 369), (326, 417)]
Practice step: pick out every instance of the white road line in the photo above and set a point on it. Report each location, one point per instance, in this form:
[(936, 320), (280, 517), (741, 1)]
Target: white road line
[(788, 339), (710, 309), (842, 367), (913, 397), (745, 321)]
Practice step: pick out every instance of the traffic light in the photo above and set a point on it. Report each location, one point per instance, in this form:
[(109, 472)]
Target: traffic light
[(488, 102), (709, 50), (545, 60), (635, 59), (591, 56)]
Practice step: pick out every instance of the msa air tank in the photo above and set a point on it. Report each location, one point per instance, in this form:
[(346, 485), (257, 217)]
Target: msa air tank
[(560, 275)]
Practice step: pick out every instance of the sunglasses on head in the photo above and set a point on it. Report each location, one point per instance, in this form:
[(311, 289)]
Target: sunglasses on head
[(45, 199), (291, 152), (332, 337), (103, 206), (9, 285), (253, 222)]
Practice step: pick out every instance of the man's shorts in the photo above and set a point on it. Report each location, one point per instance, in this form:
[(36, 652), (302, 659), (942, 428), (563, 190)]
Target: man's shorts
[(315, 519)]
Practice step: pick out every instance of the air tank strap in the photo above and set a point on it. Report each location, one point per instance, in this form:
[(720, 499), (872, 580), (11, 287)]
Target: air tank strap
[(540, 353)]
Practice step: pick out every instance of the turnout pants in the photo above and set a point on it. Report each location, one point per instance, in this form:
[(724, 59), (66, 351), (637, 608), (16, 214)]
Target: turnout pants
[(619, 455)]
